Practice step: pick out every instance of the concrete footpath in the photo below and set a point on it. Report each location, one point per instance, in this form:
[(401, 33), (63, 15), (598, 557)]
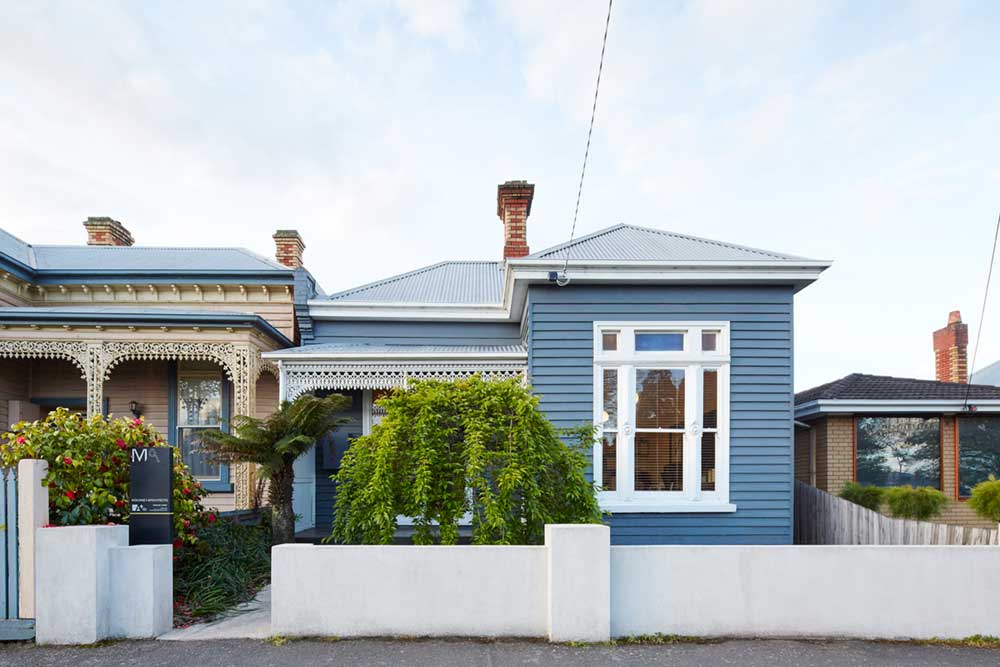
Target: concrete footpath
[(295, 653), (247, 621)]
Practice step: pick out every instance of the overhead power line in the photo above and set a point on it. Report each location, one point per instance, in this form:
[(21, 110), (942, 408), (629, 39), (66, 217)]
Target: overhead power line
[(982, 314), (562, 280)]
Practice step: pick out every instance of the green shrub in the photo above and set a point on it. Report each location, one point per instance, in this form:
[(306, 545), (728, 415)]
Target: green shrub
[(906, 502), (226, 566), (447, 449), (866, 496), (985, 499), (88, 473)]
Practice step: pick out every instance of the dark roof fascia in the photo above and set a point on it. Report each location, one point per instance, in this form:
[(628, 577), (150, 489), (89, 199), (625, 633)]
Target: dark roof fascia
[(895, 407), (207, 319), (16, 268), (255, 276)]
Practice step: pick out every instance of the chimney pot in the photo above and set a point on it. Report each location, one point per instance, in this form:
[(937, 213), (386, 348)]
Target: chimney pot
[(102, 230), (513, 208), (289, 247), (951, 362)]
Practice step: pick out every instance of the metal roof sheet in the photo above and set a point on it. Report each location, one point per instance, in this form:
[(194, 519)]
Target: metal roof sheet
[(629, 242), (988, 375), (143, 258), (468, 282), (15, 248)]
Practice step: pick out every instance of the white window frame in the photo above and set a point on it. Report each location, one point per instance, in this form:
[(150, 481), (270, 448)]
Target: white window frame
[(693, 360)]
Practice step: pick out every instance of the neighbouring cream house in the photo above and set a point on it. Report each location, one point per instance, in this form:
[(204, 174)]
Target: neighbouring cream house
[(172, 334)]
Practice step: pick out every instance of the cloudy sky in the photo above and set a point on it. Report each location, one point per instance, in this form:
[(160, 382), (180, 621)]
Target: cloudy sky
[(865, 133)]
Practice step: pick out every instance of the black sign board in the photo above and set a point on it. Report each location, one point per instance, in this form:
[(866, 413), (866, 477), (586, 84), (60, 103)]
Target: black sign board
[(151, 491)]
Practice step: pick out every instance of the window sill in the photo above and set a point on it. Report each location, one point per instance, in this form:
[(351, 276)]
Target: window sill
[(677, 507)]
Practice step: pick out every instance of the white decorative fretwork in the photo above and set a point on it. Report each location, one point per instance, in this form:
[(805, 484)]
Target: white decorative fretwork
[(241, 363), (302, 378)]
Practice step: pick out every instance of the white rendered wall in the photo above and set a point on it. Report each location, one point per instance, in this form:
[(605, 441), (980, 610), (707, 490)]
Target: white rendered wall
[(579, 581), (357, 591), (73, 582), (142, 591), (32, 514), (885, 592)]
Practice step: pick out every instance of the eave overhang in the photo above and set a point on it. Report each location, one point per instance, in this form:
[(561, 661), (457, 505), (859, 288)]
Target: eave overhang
[(524, 272), (28, 316), (823, 407)]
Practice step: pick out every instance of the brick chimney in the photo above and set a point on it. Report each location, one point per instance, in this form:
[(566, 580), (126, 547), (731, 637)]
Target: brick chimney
[(951, 344), (105, 231), (288, 247), (513, 208)]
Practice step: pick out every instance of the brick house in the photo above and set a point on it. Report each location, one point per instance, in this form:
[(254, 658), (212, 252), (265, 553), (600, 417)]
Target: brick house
[(172, 334), (888, 431)]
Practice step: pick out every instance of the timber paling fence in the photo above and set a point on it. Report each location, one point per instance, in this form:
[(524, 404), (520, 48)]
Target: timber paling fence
[(822, 518)]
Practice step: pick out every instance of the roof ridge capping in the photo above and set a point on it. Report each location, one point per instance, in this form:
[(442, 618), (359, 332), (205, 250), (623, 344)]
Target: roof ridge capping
[(548, 253)]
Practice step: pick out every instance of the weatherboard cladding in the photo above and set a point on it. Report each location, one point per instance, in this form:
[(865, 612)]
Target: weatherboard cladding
[(629, 242), (560, 363), (446, 282), (389, 332)]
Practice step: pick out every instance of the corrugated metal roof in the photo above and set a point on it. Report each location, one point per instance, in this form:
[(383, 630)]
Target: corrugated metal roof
[(142, 258), (15, 248), (334, 349), (628, 242), (988, 375), (446, 282)]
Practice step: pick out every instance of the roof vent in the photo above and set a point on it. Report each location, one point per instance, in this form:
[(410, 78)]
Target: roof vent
[(106, 231)]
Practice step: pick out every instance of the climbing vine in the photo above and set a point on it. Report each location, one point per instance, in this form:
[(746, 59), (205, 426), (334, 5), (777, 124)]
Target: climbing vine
[(469, 450)]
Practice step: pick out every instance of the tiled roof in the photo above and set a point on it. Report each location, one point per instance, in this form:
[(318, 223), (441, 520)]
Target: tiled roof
[(859, 387), (632, 243), (446, 282), (388, 350)]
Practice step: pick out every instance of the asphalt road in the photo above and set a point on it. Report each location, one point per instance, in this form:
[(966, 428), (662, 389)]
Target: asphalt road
[(296, 653)]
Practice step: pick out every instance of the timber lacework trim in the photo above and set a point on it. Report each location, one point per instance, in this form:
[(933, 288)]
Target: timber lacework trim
[(300, 379), (242, 364)]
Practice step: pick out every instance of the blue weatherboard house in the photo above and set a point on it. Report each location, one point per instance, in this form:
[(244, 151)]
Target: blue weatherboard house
[(678, 348)]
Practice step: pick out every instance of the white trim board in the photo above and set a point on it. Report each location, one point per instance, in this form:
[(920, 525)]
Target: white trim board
[(901, 406)]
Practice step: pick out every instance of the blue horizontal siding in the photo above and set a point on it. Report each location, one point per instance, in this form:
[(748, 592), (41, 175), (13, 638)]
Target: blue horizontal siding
[(560, 362), (416, 333)]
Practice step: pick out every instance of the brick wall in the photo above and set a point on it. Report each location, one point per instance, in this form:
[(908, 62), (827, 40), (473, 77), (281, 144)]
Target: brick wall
[(835, 463)]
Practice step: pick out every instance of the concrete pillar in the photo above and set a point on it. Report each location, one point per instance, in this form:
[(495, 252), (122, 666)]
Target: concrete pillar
[(142, 591), (32, 514), (73, 583), (579, 582)]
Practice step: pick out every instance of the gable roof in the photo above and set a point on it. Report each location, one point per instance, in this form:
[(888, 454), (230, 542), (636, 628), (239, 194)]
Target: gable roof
[(632, 243), (861, 387), (468, 282)]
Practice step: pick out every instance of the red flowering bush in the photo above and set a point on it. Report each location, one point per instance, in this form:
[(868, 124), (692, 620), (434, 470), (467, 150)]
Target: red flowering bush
[(88, 474)]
